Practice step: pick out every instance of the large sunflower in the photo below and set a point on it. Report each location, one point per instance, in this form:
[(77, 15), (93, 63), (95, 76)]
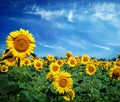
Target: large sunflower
[(90, 69), (63, 82), (115, 72), (21, 43)]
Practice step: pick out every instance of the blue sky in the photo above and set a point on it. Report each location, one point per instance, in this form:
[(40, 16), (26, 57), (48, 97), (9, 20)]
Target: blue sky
[(81, 26)]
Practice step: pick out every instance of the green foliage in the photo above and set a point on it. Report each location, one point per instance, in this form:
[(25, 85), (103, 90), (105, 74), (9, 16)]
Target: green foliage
[(26, 84)]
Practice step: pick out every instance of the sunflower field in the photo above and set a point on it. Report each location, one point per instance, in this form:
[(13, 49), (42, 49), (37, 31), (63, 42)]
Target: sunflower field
[(24, 77)]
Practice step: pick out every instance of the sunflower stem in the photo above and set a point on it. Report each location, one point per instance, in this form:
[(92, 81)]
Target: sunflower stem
[(18, 62), (57, 97)]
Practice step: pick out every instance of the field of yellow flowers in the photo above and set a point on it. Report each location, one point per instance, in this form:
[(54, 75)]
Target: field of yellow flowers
[(24, 77)]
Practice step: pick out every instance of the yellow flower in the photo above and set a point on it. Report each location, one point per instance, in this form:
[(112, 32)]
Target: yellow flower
[(72, 62), (85, 59), (50, 75), (21, 43), (90, 69), (9, 61), (38, 64), (77, 57), (54, 67), (117, 62), (50, 58), (95, 62), (4, 68), (63, 82), (26, 62), (60, 62), (104, 65), (71, 94), (115, 72), (68, 54)]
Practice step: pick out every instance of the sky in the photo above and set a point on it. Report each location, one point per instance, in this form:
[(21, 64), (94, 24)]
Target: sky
[(89, 27)]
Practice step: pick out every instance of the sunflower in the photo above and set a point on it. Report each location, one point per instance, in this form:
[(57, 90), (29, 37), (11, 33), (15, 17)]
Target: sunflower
[(62, 82), (90, 69), (60, 62), (68, 54), (10, 59), (50, 75), (38, 64), (115, 72), (104, 65), (117, 62), (72, 62), (4, 68), (21, 43), (50, 57), (85, 59), (54, 67), (95, 62), (26, 62), (71, 94)]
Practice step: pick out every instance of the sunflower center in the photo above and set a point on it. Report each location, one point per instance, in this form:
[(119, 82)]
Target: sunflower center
[(10, 60), (26, 62), (55, 68), (21, 43), (72, 62), (85, 59), (4, 69), (59, 62), (38, 64), (116, 73), (51, 75), (91, 69), (63, 81)]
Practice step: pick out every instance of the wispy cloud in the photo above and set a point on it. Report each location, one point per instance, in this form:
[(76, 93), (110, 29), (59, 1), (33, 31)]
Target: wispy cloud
[(46, 14), (102, 47), (52, 46), (70, 16), (106, 11)]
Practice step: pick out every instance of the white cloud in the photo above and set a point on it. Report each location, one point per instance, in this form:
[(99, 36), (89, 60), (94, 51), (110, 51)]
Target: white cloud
[(105, 11), (70, 16), (46, 14), (102, 47), (52, 46)]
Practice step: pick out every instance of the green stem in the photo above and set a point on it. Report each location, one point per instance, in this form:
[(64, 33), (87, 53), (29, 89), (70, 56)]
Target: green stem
[(18, 62), (57, 97)]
